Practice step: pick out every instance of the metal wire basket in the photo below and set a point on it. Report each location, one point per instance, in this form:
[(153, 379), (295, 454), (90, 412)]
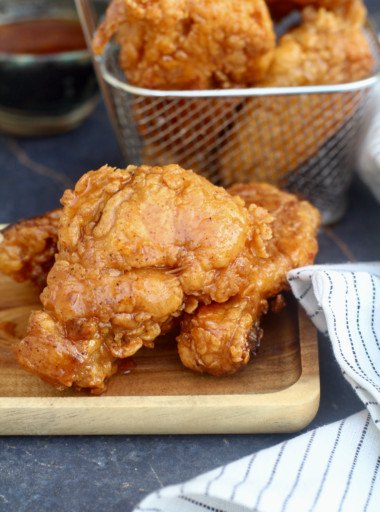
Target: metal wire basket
[(300, 138)]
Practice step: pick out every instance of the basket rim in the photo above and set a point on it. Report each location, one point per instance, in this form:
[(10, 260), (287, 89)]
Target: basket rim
[(249, 92), (123, 85)]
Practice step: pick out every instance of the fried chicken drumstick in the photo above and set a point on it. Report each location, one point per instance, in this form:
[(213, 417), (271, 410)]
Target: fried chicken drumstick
[(218, 338), (137, 248)]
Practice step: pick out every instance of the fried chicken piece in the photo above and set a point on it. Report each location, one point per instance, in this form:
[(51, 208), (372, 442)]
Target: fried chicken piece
[(137, 248), (325, 49), (353, 11), (274, 135), (182, 44), (28, 248), (219, 338)]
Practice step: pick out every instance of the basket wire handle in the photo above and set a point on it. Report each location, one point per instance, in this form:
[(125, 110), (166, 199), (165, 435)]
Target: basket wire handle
[(88, 19)]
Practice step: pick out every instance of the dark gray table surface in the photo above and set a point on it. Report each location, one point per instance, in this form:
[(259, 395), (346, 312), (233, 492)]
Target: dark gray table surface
[(95, 473)]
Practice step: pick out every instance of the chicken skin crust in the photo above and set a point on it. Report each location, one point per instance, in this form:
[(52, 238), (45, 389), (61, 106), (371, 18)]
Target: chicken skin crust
[(27, 248), (190, 44), (218, 338), (137, 248), (187, 45)]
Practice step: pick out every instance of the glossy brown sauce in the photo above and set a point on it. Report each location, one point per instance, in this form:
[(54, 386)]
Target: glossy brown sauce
[(124, 366), (41, 36), (8, 328)]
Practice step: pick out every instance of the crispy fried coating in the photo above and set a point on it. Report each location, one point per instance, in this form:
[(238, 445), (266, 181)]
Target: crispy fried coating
[(273, 136), (218, 338), (28, 248), (294, 227), (187, 44), (171, 44), (325, 49), (137, 248)]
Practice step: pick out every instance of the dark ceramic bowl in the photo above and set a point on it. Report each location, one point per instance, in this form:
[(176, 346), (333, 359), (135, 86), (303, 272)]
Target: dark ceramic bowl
[(49, 93)]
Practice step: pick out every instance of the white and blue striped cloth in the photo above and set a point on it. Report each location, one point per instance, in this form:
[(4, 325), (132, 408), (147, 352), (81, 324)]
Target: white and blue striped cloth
[(335, 468)]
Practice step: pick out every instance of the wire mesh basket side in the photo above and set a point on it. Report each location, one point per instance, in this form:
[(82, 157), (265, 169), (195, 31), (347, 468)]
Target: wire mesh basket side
[(325, 177), (303, 143), (187, 131)]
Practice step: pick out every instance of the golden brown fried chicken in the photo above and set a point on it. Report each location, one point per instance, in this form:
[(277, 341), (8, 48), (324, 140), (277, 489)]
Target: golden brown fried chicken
[(28, 248), (218, 338), (137, 248), (275, 135), (324, 49), (183, 44), (187, 44), (353, 11)]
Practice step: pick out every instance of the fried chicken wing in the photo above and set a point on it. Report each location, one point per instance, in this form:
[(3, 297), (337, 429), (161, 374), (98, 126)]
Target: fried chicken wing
[(218, 338), (273, 136), (137, 248), (182, 44), (27, 249)]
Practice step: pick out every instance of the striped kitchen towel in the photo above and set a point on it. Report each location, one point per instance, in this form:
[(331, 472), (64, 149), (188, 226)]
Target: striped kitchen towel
[(335, 468)]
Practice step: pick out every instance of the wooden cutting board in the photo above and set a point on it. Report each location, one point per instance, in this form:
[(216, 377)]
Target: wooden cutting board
[(277, 392)]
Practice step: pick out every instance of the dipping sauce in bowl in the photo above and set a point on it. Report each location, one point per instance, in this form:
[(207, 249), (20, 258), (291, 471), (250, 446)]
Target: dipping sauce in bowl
[(41, 36), (47, 84)]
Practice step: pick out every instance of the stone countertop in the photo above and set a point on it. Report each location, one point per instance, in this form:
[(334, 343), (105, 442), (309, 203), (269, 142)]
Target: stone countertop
[(86, 473)]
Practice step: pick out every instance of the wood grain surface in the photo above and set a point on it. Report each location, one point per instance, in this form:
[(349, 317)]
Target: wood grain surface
[(277, 392)]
